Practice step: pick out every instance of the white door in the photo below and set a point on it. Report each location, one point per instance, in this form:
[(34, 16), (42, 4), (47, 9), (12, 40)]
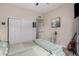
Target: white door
[(21, 31)]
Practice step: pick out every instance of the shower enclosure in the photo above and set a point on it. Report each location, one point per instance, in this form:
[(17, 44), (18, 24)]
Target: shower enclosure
[(39, 27)]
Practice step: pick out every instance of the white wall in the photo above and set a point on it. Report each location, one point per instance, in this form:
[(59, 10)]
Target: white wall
[(13, 12), (65, 32)]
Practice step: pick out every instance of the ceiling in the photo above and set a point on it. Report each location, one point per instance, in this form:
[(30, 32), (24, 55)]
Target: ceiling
[(40, 8)]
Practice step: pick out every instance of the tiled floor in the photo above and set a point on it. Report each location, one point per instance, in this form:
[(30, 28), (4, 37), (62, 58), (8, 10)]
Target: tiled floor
[(16, 48), (26, 46)]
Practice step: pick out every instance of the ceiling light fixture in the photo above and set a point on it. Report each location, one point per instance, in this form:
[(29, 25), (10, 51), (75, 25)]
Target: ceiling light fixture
[(37, 4)]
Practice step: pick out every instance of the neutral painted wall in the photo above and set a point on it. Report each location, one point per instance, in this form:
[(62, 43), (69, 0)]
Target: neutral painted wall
[(65, 32), (13, 12)]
